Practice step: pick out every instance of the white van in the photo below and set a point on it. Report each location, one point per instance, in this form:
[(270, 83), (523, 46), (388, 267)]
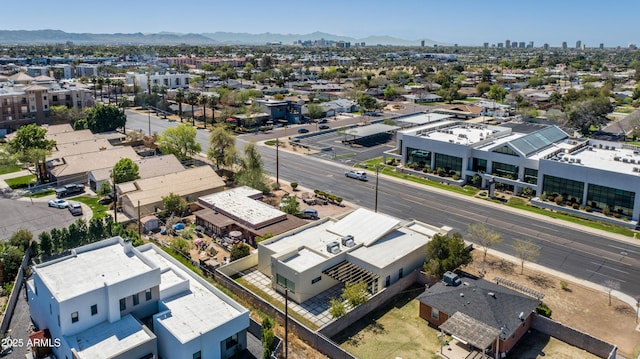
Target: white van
[(361, 175)]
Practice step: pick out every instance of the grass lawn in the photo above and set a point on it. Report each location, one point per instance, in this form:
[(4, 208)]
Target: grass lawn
[(392, 331), (99, 210), (624, 110), (44, 193), (20, 182), (4, 169), (390, 171)]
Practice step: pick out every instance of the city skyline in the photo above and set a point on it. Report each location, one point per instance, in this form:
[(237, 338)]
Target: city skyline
[(469, 23)]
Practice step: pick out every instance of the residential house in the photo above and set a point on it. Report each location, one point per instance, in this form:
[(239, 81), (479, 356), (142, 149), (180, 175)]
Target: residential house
[(363, 245), (148, 167), (75, 168), (484, 315), (111, 300)]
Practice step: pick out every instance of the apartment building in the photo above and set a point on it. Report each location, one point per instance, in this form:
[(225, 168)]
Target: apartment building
[(168, 80), (111, 300)]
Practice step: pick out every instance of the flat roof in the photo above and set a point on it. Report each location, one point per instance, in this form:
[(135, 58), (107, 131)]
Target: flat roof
[(303, 259), (365, 226), (370, 130), (91, 268), (423, 118), (618, 160), (74, 136), (391, 247), (238, 204), (195, 311), (107, 340)]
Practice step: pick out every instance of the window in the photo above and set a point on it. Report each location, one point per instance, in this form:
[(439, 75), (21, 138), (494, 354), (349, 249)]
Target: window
[(530, 175), (197, 355), (387, 281), (449, 163), (74, 317), (435, 314), (50, 309), (58, 319), (231, 341), (136, 299), (94, 309), (123, 304), (616, 200), (565, 187), (45, 98), (315, 280), (286, 283), (147, 294), (400, 273), (506, 150), (505, 170), (479, 165), (55, 98)]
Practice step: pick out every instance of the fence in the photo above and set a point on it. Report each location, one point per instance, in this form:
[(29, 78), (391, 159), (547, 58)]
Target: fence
[(15, 292), (574, 337)]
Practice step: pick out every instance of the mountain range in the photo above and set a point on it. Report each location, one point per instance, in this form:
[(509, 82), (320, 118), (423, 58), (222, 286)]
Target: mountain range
[(43, 37)]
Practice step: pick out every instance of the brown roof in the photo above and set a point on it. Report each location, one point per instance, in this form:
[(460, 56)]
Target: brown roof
[(216, 219)]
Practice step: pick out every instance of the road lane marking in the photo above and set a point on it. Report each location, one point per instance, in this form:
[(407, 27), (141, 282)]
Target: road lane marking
[(608, 267)]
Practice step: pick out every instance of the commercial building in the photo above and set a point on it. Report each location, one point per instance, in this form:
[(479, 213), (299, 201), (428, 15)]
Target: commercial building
[(168, 80), (362, 246), (111, 300), (600, 174)]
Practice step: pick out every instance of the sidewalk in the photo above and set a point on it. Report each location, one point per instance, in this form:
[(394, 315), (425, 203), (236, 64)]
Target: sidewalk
[(3, 184)]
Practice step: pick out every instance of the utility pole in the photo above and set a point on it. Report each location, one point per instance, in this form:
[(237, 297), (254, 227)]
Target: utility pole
[(286, 322), (277, 163), (377, 175), (115, 199), (139, 223), (149, 115)]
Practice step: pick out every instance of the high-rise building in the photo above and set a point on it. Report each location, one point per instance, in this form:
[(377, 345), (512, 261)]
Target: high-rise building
[(601, 46), (486, 45), (578, 44), (422, 43), (546, 46), (507, 43), (521, 45), (564, 45), (530, 45), (500, 45)]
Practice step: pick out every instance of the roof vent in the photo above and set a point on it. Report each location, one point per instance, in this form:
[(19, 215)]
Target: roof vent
[(333, 247), (521, 316), (462, 294), (348, 241), (492, 294)]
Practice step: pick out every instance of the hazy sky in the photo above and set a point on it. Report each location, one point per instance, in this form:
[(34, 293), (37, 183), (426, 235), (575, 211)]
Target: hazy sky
[(466, 22)]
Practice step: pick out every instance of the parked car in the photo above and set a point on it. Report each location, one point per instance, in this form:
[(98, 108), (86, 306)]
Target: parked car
[(324, 120), (69, 190), (361, 175), (324, 127), (58, 203), (302, 130), (75, 208)]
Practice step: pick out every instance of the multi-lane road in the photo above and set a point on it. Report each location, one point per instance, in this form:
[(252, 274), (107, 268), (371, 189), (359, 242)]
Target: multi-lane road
[(583, 254)]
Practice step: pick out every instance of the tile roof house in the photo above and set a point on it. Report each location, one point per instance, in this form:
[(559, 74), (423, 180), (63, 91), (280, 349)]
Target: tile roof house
[(479, 313)]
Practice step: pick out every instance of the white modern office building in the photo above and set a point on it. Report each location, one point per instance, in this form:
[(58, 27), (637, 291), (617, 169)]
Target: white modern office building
[(111, 300), (168, 80), (361, 246), (594, 173)]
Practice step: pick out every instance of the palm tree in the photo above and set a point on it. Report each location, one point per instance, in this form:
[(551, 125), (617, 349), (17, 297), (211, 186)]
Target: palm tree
[(162, 90), (192, 99), (204, 100), (108, 82), (100, 83), (179, 100), (118, 84), (94, 81), (213, 101)]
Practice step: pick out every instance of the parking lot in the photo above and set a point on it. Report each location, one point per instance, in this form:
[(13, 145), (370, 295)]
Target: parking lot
[(35, 216), (329, 145)]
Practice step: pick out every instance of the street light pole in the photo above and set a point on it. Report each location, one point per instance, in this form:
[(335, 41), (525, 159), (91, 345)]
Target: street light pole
[(277, 163), (377, 175), (286, 321), (149, 113)]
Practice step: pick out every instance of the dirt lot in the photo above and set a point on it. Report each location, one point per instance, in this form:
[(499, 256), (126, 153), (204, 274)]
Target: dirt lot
[(579, 307)]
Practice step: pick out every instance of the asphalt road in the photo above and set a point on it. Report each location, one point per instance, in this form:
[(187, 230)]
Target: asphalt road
[(583, 254)]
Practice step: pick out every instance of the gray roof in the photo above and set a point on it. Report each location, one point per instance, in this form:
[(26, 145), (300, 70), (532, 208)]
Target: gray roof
[(500, 310), (538, 140), (370, 130)]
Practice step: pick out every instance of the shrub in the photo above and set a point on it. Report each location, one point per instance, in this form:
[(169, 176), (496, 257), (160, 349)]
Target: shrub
[(440, 172), (425, 170), (559, 200), (527, 192), (544, 196), (564, 285), (544, 310), (455, 177), (588, 209), (483, 194), (337, 308), (606, 211), (575, 206), (294, 185)]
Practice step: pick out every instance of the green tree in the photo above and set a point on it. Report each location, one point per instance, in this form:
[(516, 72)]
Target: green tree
[(589, 113), (483, 87), (30, 145), (64, 114), (204, 101), (21, 238), (96, 230), (497, 93), (222, 147), (315, 111), (268, 337), (291, 205), (525, 251), (46, 247), (239, 250), (355, 293), (337, 308), (105, 189), (103, 118), (367, 102), (11, 258), (251, 171), (125, 170), (180, 245), (390, 92), (485, 237), (180, 141), (174, 204), (56, 240), (446, 253), (192, 99), (180, 99)]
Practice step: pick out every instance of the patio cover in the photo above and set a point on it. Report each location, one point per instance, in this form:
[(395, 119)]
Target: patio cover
[(472, 331)]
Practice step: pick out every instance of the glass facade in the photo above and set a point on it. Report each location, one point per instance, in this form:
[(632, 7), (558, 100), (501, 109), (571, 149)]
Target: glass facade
[(505, 170), (286, 283), (530, 175), (565, 187), (479, 165), (449, 163), (506, 151), (616, 200), (421, 157)]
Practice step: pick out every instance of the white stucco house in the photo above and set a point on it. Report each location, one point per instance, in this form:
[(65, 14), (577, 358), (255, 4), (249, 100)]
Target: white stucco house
[(102, 300)]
